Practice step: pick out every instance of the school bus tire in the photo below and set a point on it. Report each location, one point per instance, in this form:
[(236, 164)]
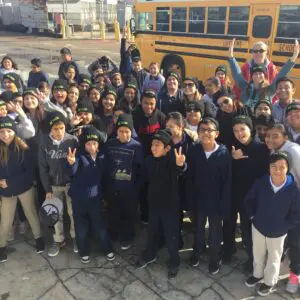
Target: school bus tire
[(173, 63)]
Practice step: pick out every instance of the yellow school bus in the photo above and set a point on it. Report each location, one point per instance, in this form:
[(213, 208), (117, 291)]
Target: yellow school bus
[(193, 36)]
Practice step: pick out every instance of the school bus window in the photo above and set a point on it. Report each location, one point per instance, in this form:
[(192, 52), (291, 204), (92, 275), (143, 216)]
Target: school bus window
[(289, 21), (262, 26), (179, 19), (216, 20), (145, 22), (162, 19), (197, 19), (238, 20)]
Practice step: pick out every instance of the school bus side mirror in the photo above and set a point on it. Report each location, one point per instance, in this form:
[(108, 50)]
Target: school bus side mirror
[(132, 26)]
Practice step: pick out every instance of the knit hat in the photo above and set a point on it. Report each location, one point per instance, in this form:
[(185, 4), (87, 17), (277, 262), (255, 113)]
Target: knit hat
[(110, 90), (241, 119), (65, 50), (17, 94), (53, 118), (257, 68), (193, 79), (90, 133), (293, 106), (84, 78), (221, 68), (149, 94), (31, 91), (173, 74), (265, 102), (6, 96), (164, 135), (93, 87), (125, 120), (36, 62), (135, 55), (264, 120), (278, 156), (85, 105), (59, 84), (13, 77), (194, 106), (7, 122), (131, 83)]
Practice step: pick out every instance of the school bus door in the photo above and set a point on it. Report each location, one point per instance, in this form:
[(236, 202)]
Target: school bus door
[(262, 23)]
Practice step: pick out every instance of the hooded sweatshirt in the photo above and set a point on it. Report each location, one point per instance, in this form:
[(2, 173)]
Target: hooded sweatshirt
[(273, 214), (52, 161)]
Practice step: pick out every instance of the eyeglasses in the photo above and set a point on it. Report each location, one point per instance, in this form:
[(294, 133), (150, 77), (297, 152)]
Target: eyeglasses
[(225, 102), (258, 51), (208, 130), (190, 85)]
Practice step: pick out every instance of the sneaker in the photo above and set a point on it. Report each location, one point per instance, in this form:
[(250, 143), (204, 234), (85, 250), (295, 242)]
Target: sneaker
[(22, 227), (293, 284), (252, 281), (11, 235), (3, 254), (248, 266), (85, 259), (265, 290), (39, 245), (194, 259), (55, 249), (75, 248), (125, 246), (172, 272), (141, 263), (214, 267), (110, 256)]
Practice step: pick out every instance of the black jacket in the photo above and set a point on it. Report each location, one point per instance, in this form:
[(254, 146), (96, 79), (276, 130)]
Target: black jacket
[(147, 126), (167, 103)]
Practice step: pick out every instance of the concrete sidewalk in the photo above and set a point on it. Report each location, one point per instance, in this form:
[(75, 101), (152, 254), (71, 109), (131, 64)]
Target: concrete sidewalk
[(27, 275)]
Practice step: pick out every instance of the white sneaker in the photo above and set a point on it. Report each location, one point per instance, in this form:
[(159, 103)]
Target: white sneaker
[(110, 256), (85, 259)]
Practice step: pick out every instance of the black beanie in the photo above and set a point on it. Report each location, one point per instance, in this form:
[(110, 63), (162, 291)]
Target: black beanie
[(173, 74), (94, 87), (194, 106), (164, 135), (135, 55), (131, 83), (125, 120), (59, 84), (193, 79), (13, 77), (293, 106), (31, 91), (84, 78), (264, 120), (36, 62), (221, 68), (7, 122), (241, 119), (90, 133), (53, 118), (267, 102), (6, 96), (85, 105), (278, 156), (257, 68), (110, 90)]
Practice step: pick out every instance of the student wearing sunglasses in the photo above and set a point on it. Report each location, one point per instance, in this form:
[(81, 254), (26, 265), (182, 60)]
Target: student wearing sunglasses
[(259, 53), (259, 87), (228, 109)]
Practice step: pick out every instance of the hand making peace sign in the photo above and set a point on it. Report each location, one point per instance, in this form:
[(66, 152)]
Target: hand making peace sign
[(180, 158), (71, 156)]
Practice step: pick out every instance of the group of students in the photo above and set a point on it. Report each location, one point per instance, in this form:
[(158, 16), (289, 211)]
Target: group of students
[(121, 140)]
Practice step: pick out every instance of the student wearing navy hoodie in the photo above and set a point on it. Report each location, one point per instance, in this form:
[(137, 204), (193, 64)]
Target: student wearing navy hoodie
[(209, 190), (124, 159), (86, 190), (273, 197), (16, 183)]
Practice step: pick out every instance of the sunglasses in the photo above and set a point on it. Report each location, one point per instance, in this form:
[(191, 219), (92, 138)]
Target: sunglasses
[(185, 85), (258, 51), (225, 102)]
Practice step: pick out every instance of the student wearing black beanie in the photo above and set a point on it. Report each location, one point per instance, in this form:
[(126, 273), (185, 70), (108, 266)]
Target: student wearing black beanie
[(84, 82), (248, 164), (86, 167), (124, 159), (13, 82), (17, 177)]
